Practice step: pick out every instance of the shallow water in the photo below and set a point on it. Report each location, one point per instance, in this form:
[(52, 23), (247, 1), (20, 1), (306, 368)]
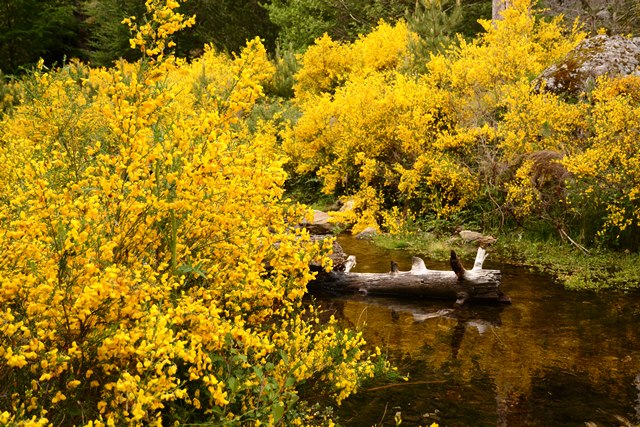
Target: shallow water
[(552, 358)]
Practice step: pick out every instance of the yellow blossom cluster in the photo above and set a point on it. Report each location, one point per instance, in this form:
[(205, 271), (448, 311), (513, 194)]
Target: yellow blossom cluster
[(328, 64), (151, 271), (161, 21)]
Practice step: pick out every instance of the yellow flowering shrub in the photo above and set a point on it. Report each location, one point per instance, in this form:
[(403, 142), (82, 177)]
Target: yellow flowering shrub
[(498, 114), (480, 73), (521, 192), (606, 170), (365, 208), (161, 21), (536, 131), (9, 94), (441, 183), (575, 163), (387, 47), (384, 136), (360, 140), (538, 121), (328, 64), (150, 271)]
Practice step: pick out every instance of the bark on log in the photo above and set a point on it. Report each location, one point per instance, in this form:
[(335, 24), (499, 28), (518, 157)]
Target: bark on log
[(475, 285)]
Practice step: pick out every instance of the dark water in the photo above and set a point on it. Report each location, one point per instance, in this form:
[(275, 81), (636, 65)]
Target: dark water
[(552, 358)]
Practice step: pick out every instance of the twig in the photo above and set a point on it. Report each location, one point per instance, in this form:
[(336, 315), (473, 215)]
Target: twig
[(576, 244), (384, 413), (382, 387)]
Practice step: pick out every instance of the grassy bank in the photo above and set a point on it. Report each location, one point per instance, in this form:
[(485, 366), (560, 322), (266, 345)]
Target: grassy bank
[(597, 270)]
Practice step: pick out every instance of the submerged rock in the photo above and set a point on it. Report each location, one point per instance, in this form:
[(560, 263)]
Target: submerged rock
[(592, 58)]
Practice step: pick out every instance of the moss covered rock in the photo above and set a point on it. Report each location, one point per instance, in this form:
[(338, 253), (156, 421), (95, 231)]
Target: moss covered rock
[(594, 57)]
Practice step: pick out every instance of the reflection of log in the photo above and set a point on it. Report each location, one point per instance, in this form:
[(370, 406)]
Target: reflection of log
[(480, 318), (475, 285)]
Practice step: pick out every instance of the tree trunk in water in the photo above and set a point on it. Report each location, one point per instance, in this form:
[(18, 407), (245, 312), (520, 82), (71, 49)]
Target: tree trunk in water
[(475, 285)]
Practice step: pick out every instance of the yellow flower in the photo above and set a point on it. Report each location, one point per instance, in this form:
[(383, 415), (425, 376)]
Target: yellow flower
[(58, 397)]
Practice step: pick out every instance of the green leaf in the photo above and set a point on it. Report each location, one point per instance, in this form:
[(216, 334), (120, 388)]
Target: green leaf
[(277, 411), (232, 383), (289, 382)]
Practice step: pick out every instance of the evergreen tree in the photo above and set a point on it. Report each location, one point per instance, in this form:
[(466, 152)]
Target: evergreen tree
[(228, 24), (31, 29), (435, 21), (109, 37), (300, 22)]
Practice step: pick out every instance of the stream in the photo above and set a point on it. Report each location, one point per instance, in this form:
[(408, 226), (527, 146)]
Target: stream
[(552, 358)]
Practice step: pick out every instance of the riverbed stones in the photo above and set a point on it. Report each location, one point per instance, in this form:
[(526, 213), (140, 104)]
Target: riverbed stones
[(478, 238), (338, 257), (320, 225)]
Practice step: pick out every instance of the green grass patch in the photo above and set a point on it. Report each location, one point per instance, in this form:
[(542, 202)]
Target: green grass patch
[(598, 270), (431, 245)]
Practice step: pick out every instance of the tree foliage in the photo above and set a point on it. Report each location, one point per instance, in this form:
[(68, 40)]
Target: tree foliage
[(436, 22), (226, 24), (301, 22), (32, 30), (92, 29), (109, 38)]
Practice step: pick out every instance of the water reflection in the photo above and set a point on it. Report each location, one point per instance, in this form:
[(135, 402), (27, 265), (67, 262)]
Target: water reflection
[(552, 358)]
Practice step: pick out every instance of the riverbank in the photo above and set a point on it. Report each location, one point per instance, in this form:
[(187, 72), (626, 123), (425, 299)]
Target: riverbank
[(554, 357), (568, 263), (598, 270)]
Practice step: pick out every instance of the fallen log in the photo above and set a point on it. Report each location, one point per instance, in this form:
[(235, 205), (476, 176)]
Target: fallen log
[(475, 285)]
